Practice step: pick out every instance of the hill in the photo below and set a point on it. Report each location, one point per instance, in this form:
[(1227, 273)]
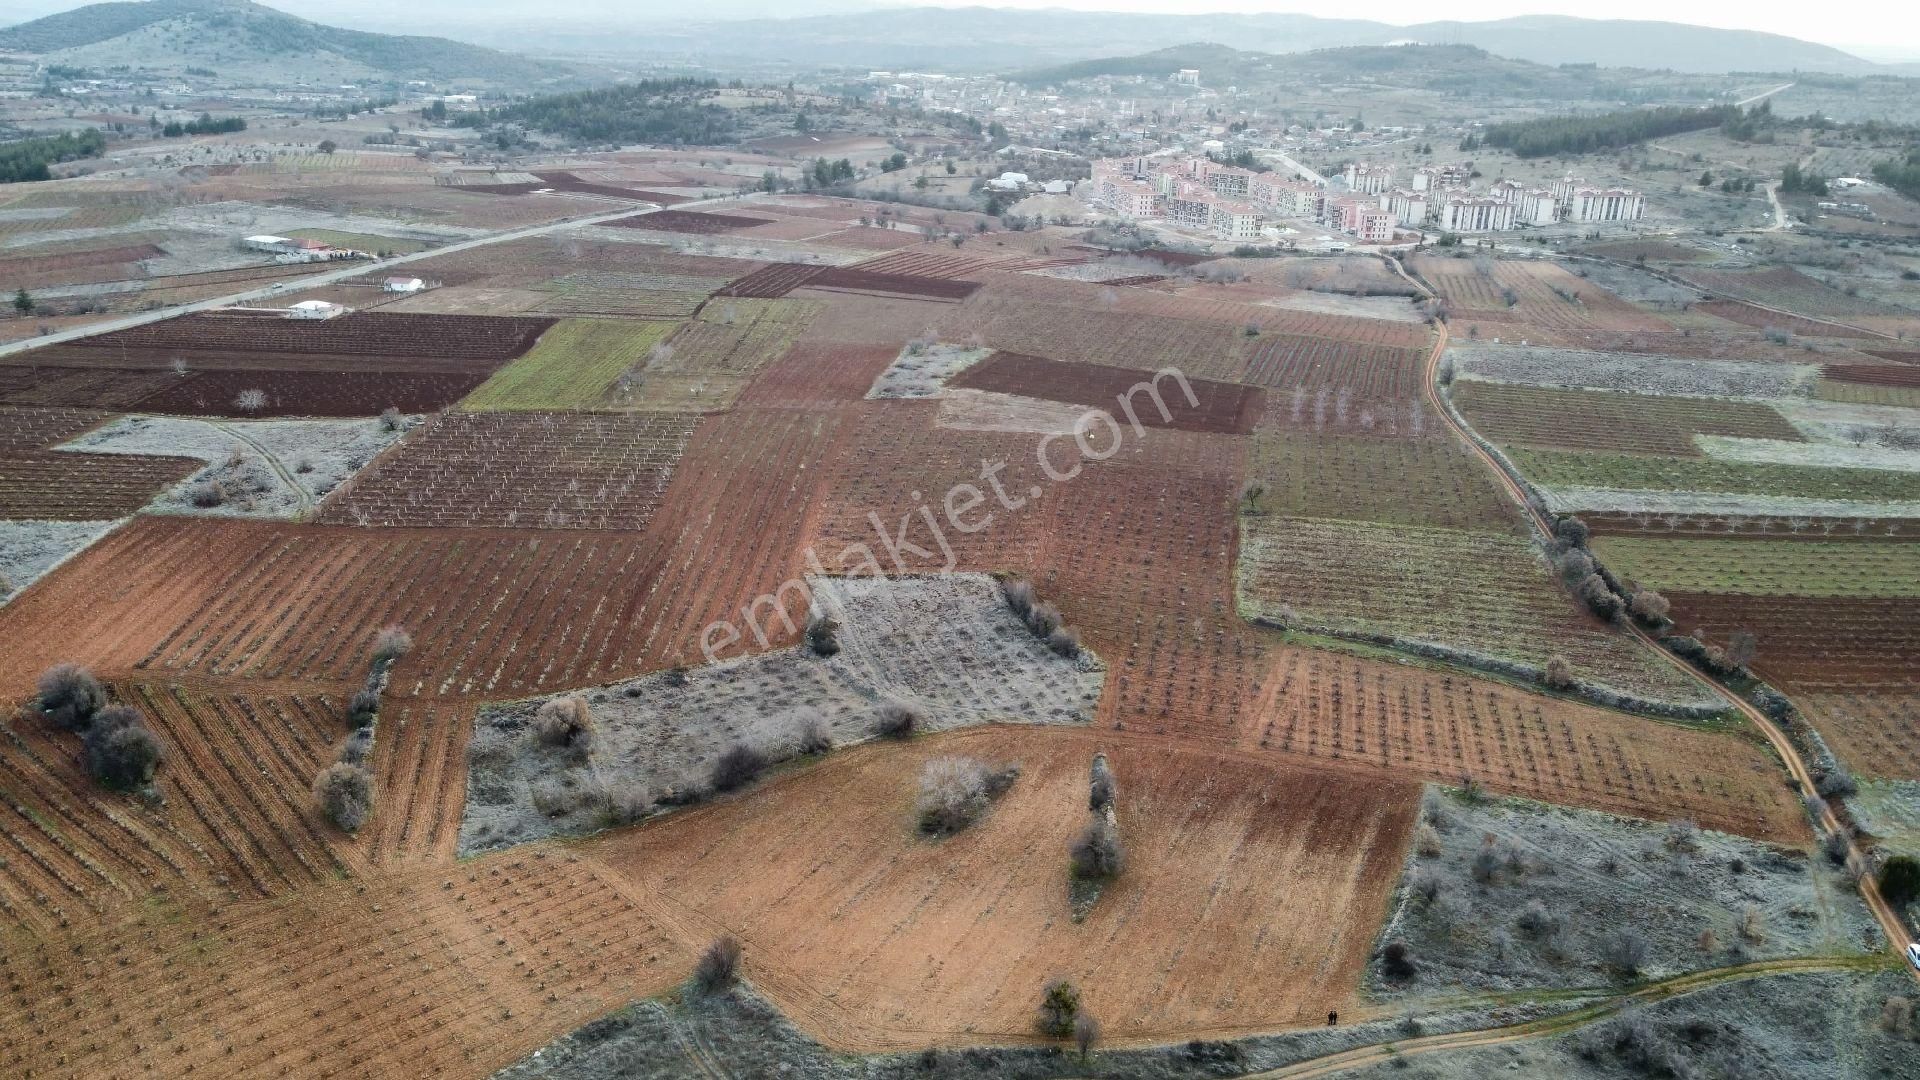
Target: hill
[(1461, 69), (235, 36), (995, 39)]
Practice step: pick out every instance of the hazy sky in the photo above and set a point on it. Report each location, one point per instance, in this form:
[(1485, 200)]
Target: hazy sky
[(1879, 31)]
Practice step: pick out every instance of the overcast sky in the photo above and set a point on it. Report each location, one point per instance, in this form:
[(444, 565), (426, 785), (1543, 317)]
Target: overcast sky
[(1877, 31)]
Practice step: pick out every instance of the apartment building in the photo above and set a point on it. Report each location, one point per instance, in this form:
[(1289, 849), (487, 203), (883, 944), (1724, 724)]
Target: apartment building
[(1409, 208), (1475, 213), (1599, 205), (1364, 179), (1536, 207)]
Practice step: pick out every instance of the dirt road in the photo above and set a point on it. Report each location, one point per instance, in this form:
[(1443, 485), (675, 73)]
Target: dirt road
[(1897, 936)]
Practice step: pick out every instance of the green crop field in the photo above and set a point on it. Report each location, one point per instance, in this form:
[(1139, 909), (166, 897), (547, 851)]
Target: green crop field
[(1429, 480), (1866, 393), (1481, 593), (571, 367), (1765, 567), (1629, 472)]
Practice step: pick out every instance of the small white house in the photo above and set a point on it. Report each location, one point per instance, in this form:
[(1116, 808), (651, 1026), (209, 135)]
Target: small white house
[(314, 309), (1008, 181), (404, 285), (274, 244), (1058, 187)]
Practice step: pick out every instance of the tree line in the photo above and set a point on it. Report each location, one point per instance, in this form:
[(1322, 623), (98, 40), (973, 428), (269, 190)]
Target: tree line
[(1902, 176), (205, 125), (28, 159), (1552, 135), (668, 111)]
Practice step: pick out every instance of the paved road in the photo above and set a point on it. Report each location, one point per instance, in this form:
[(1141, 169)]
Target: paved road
[(352, 269), (1295, 166), (1762, 97)]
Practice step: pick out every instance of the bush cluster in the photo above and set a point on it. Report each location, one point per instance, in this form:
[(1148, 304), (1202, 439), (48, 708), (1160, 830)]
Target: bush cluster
[(823, 634), (345, 793), (738, 766), (564, 722), (121, 752), (1041, 619), (956, 791), (1097, 854), (719, 965)]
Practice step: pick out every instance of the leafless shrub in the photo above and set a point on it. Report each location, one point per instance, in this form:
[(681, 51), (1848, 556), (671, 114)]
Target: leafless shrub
[(1538, 923), (719, 965), (1896, 1017), (1625, 951), (206, 494), (624, 803), (363, 708), (390, 419), (814, 736), (956, 791), (1426, 841), (1097, 853), (1649, 606), (1837, 846), (1682, 835), (1019, 594), (345, 793), (250, 401), (1752, 928), (823, 634), (564, 721), (1396, 961), (738, 766), (1836, 783), (1065, 642), (70, 696), (1086, 1032), (1101, 789), (897, 720), (390, 644), (1043, 619), (355, 748), (1558, 674)]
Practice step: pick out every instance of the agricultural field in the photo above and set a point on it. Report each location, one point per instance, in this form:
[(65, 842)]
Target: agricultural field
[(1478, 594), (571, 367), (710, 359), (529, 469), (1627, 423), (950, 647), (1168, 950), (638, 462), (1327, 470), (1808, 566)]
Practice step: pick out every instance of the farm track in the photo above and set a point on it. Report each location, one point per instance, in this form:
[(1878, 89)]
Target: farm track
[(279, 468), (1897, 937), (1548, 1027)]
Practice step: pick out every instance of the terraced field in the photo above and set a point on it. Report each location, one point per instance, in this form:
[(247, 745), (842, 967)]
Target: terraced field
[(1809, 567), (1562, 470)]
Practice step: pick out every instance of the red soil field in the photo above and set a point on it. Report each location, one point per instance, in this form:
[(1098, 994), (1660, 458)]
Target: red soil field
[(36, 429), (313, 393), (904, 285), (1874, 374), (1367, 372), (813, 374), (1222, 407), (447, 970), (1394, 719), (474, 339), (772, 281), (237, 820), (18, 269), (536, 470), (688, 221), (1248, 901), (1543, 295), (1202, 350), (419, 767), (80, 387), (927, 264), (1737, 311), (1874, 730), (57, 485), (1814, 641)]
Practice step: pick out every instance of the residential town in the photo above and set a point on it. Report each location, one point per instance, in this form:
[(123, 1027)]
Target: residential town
[(1229, 202)]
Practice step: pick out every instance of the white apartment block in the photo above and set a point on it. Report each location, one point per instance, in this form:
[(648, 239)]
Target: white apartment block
[(1537, 207), (1606, 204), (1476, 213), (1364, 179), (1284, 197), (1564, 188), (1408, 208), (1235, 220)]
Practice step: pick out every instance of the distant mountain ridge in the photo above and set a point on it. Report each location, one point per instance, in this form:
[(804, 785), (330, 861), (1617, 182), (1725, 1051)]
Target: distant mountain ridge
[(1001, 39), (207, 33)]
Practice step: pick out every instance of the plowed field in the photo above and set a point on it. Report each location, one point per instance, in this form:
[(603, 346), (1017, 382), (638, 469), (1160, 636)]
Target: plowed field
[(1221, 407), (1243, 904)]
